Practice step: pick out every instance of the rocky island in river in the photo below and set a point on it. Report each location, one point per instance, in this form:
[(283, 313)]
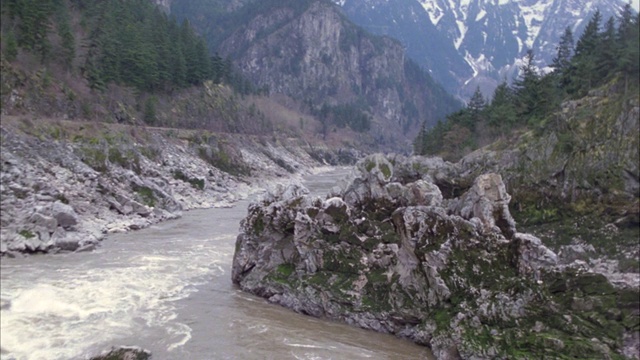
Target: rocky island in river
[(387, 251)]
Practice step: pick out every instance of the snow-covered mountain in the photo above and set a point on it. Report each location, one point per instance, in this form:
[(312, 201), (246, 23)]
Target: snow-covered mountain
[(469, 43)]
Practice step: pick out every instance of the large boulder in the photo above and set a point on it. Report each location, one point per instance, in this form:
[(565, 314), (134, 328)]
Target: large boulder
[(487, 201), (64, 214)]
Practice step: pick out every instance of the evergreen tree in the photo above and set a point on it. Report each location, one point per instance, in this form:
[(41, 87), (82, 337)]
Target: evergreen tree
[(588, 42), (201, 62), (606, 57), (584, 74), (501, 113), (476, 105), (217, 69), (562, 62), (150, 116), (564, 51), (626, 26), (528, 91), (68, 43), (418, 142), (11, 46), (179, 67), (158, 32), (629, 45)]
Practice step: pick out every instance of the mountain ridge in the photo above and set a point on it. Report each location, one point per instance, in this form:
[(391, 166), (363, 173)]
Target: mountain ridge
[(468, 26)]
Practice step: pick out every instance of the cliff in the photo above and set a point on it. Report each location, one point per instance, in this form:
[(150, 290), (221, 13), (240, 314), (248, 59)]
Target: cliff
[(396, 250), (310, 51)]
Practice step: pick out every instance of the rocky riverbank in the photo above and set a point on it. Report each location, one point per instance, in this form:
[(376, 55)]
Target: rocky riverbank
[(425, 250), (65, 185)]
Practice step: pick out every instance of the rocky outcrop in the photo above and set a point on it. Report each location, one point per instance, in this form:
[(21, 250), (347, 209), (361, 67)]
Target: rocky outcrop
[(574, 181), (387, 251), (586, 152), (66, 194)]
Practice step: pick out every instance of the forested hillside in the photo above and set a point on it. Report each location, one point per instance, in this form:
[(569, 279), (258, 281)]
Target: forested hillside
[(604, 54), (124, 42), (119, 61), (131, 62)]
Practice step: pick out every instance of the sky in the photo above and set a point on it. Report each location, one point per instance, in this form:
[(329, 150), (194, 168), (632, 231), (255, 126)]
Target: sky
[(635, 4)]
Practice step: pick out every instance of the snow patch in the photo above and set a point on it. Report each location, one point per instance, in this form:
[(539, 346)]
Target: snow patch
[(479, 65), (520, 44), (433, 10), (462, 28), (533, 16)]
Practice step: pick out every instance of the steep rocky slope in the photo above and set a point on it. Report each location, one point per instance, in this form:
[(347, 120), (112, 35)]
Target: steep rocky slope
[(575, 179), (67, 184), (394, 249), (310, 51), (483, 42)]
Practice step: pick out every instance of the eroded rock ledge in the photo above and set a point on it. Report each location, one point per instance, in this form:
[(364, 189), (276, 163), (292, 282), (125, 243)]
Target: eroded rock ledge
[(387, 251), (67, 192)]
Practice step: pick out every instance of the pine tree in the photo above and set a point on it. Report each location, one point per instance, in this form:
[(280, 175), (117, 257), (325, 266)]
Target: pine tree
[(629, 47), (67, 39), (590, 38), (418, 142), (527, 86), (179, 66), (583, 76), (607, 52), (626, 26), (501, 113), (476, 106), (562, 62), (201, 62), (149, 115), (11, 46), (158, 31), (217, 69)]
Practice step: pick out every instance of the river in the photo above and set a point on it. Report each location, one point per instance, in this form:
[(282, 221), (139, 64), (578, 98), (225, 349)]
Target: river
[(167, 288)]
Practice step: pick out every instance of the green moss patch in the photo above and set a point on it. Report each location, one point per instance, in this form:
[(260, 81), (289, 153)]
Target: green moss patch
[(145, 194)]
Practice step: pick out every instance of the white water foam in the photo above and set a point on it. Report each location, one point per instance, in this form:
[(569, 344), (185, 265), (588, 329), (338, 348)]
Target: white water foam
[(66, 310)]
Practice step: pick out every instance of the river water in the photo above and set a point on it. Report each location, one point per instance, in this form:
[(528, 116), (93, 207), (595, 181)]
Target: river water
[(167, 288)]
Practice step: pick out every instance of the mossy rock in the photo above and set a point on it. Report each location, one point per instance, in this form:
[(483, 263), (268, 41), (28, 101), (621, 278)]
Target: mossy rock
[(345, 261)]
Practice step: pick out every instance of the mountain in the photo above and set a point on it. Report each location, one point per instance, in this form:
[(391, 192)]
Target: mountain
[(490, 36), (407, 21), (309, 51)]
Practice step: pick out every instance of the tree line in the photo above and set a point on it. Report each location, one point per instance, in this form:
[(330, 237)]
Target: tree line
[(134, 43), (604, 52), (131, 43), (352, 115)]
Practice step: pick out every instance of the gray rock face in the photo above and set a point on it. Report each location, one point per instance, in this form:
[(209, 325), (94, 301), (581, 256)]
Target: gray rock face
[(58, 195), (386, 252), (488, 202), (323, 57)]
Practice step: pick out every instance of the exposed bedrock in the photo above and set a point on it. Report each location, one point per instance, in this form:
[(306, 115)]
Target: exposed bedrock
[(387, 251)]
